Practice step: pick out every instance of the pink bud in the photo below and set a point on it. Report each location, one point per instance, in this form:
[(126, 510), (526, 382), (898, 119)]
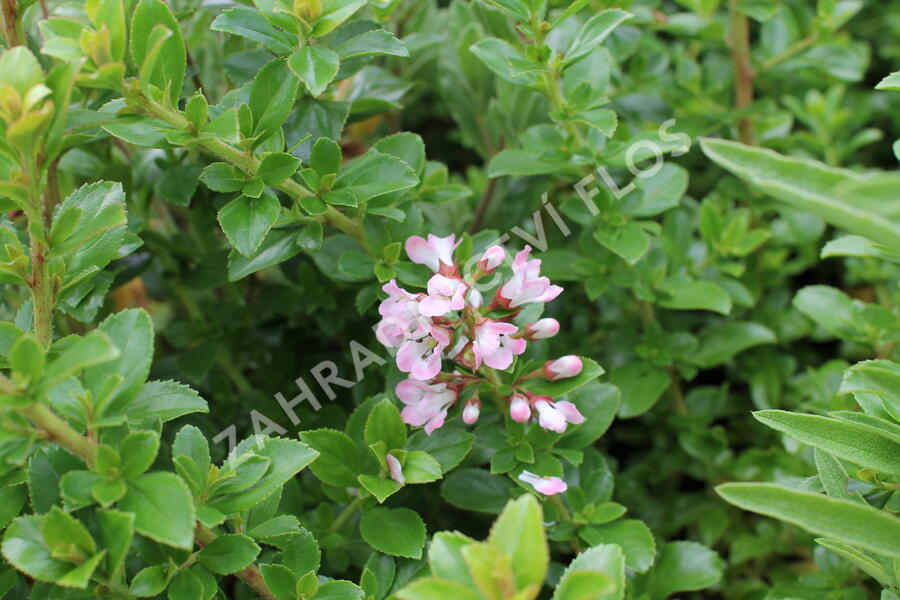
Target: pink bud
[(475, 298), (492, 258), (519, 409), (565, 366), (542, 329), (544, 485), (471, 412), (394, 468)]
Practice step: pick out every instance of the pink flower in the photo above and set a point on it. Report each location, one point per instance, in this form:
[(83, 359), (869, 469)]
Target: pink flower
[(426, 403), (544, 485), (542, 329), (492, 258), (395, 469), (472, 411), (421, 356), (433, 252), (400, 317), (493, 346), (444, 294), (565, 366), (556, 416), (527, 285), (519, 409)]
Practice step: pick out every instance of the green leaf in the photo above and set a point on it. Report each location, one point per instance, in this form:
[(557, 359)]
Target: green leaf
[(163, 509), (374, 41), (251, 24), (523, 162), (167, 400), (277, 247), (631, 535), (325, 157), (499, 56), (630, 242), (398, 531), (843, 520), (337, 12), (272, 95), (857, 245), (722, 342), (316, 66), (876, 385), (641, 384), (338, 463), (168, 71), (339, 590), (420, 467), (229, 553), (433, 588), (246, 221), (132, 332), (380, 487), (275, 167), (827, 192), (446, 445), (116, 532), (519, 532), (593, 32), (595, 574), (385, 425), (375, 174), (694, 295), (684, 567), (222, 177), (860, 559), (476, 490), (280, 580), (62, 531), (287, 457), (138, 451), (27, 357), (890, 82), (830, 308), (860, 444), (24, 548), (149, 581)]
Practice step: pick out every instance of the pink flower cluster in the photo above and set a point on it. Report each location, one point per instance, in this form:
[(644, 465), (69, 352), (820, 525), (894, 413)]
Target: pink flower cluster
[(451, 323)]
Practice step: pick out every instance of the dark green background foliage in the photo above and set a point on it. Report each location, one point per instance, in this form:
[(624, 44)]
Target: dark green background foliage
[(202, 202)]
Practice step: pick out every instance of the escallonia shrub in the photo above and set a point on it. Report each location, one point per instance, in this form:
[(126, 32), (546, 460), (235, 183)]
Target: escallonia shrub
[(202, 201)]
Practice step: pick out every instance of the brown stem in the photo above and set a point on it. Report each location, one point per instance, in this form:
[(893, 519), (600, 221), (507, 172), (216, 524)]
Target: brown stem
[(743, 71), (10, 22), (483, 204)]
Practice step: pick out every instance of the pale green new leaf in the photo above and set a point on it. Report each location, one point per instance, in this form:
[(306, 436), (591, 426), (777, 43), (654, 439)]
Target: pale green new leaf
[(843, 520), (807, 185)]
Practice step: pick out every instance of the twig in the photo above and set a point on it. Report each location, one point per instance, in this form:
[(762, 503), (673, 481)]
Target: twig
[(743, 71)]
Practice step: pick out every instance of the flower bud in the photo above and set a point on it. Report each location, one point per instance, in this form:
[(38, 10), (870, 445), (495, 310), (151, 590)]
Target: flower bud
[(519, 409), (542, 329), (544, 485), (475, 299), (394, 468), (492, 258), (472, 411), (565, 366)]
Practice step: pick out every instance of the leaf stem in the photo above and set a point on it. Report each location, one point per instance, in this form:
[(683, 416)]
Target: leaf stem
[(346, 514)]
